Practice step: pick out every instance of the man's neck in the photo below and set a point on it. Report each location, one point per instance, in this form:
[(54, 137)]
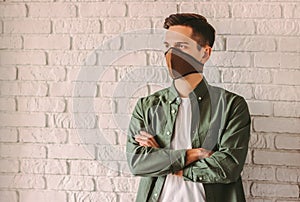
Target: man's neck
[(187, 84)]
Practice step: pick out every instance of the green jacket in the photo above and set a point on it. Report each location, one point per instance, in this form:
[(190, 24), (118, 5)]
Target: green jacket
[(220, 122)]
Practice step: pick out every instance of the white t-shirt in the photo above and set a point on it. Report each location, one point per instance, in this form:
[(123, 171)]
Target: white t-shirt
[(176, 189)]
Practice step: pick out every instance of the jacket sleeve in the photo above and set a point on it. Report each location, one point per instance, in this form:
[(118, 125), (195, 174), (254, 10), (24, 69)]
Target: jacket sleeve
[(148, 161), (225, 165)]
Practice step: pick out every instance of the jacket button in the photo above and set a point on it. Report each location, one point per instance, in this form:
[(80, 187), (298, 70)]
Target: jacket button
[(200, 178), (199, 98), (173, 111), (168, 133)]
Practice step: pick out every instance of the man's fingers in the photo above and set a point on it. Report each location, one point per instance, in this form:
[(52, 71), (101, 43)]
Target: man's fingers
[(144, 133)]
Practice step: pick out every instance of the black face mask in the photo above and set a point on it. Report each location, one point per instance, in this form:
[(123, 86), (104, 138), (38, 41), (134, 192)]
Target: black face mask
[(181, 64)]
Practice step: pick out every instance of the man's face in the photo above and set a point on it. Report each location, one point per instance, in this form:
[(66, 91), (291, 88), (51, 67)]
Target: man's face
[(180, 37)]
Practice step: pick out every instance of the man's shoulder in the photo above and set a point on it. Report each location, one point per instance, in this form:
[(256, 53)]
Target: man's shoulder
[(156, 96), (228, 95)]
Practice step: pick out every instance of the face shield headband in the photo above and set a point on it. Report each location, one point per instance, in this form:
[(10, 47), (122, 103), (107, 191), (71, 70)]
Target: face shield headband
[(181, 64)]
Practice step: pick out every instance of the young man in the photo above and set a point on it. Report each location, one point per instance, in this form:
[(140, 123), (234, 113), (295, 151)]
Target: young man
[(189, 142)]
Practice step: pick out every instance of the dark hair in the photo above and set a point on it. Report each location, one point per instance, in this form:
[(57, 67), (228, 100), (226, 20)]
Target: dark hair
[(203, 32)]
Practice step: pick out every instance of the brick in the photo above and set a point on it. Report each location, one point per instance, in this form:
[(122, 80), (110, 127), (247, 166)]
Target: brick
[(10, 42), (31, 104), (258, 173), (22, 58), (219, 44), (122, 138), (241, 27), (10, 196), (22, 119), (114, 121), (51, 10), (287, 142), (280, 77), (23, 88), (12, 10), (92, 136), (209, 10), (151, 10), (278, 93), (291, 10), (260, 108), (236, 75), (42, 195), (71, 58), (22, 181), (110, 152), (75, 120), (276, 158), (120, 25), (274, 190), (22, 151), (43, 135), (246, 187), (107, 73), (122, 58), (126, 185), (124, 197), (40, 73), (43, 166), (7, 104), (102, 9), (142, 41), (27, 26), (94, 105), (67, 151), (287, 109), (91, 42), (9, 166), (70, 183), (254, 10), (267, 60), (123, 89), (236, 43), (262, 141), (279, 125), (96, 168), (76, 26), (288, 175), (8, 73), (80, 89), (8, 135), (92, 196), (278, 27), (125, 105), (290, 61), (289, 44), (47, 42), (230, 59), (241, 89), (104, 184), (61, 89)]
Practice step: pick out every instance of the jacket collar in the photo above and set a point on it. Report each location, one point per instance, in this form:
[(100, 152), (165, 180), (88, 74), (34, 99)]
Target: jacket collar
[(199, 92)]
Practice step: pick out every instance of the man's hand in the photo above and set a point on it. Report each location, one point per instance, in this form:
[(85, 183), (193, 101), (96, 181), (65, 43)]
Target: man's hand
[(193, 155), (145, 139)]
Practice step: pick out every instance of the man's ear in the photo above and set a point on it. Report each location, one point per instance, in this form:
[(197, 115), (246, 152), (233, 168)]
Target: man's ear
[(207, 53)]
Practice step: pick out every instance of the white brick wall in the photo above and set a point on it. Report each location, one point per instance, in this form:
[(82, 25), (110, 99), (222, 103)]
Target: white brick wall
[(54, 148)]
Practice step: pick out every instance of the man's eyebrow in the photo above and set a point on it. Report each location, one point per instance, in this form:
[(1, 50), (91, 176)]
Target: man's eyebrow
[(180, 42)]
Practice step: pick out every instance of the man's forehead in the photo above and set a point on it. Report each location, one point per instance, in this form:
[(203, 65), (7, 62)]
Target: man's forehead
[(174, 36)]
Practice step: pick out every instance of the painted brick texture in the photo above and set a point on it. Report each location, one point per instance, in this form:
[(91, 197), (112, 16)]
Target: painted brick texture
[(71, 72)]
